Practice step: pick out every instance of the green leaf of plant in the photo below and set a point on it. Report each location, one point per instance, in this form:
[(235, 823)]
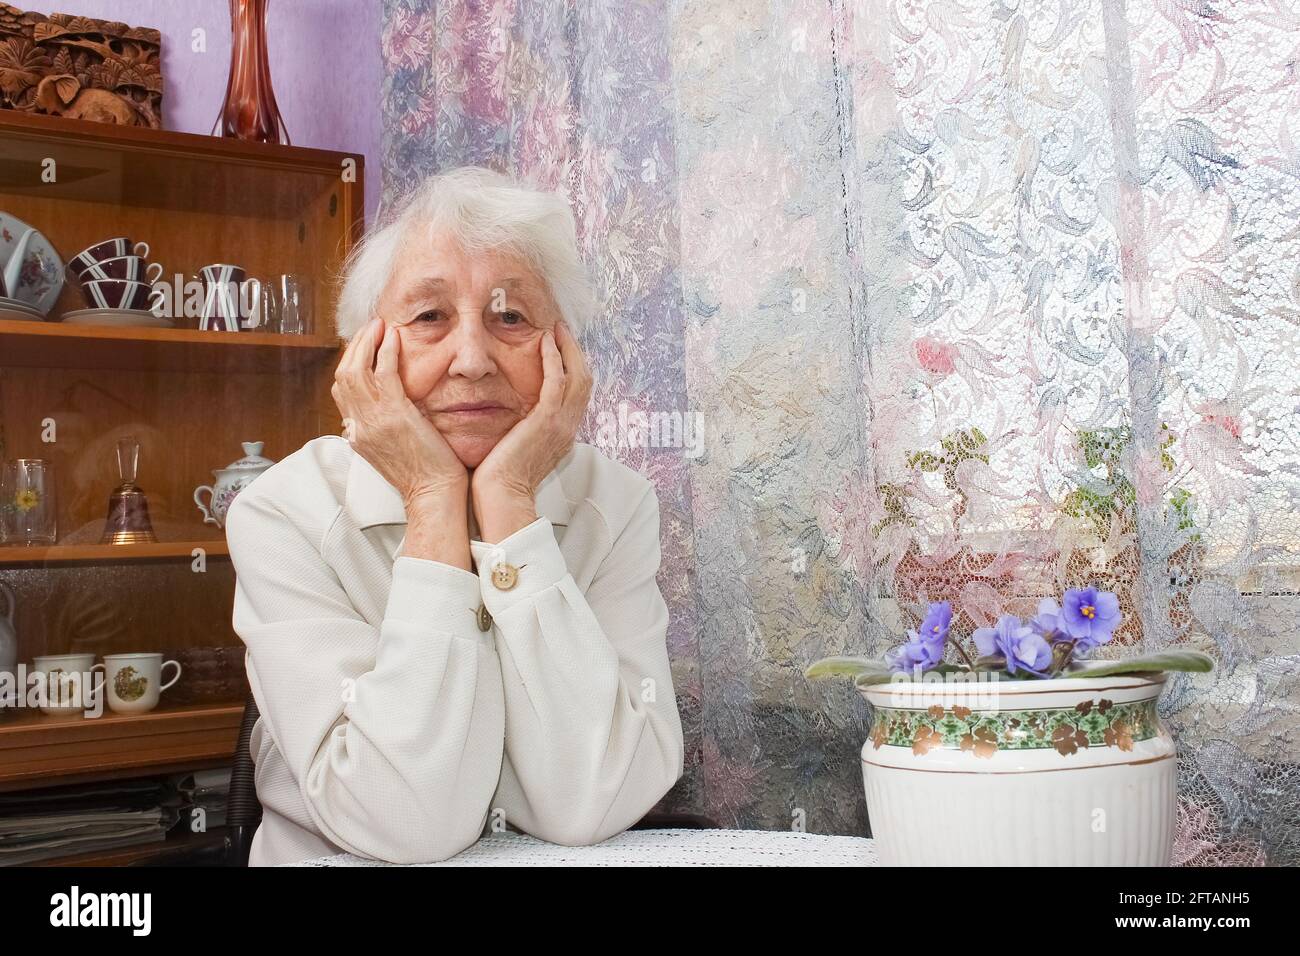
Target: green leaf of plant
[(947, 667), (843, 667), (1160, 661), (873, 677)]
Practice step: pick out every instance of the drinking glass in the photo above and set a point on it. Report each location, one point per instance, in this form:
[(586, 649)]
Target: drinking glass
[(290, 305), (27, 503)]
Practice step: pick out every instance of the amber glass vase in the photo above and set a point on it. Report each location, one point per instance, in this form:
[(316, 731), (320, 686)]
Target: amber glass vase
[(250, 112)]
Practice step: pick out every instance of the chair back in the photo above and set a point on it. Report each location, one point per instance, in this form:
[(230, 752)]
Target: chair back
[(243, 809)]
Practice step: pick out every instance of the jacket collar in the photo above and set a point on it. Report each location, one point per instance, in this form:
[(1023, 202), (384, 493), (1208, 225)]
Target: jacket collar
[(373, 501)]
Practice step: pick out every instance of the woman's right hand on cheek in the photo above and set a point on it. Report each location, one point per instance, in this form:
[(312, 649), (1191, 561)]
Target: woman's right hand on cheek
[(387, 429)]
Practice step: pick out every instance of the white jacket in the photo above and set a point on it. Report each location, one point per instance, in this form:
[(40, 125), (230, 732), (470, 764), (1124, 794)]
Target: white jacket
[(392, 726)]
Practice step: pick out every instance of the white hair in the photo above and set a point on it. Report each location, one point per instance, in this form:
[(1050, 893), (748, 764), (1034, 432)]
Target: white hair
[(483, 210)]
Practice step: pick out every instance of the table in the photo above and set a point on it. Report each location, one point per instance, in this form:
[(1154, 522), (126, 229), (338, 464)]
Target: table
[(654, 848)]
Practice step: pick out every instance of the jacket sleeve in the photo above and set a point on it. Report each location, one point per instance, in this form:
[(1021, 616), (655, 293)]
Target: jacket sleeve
[(593, 736), (393, 733)]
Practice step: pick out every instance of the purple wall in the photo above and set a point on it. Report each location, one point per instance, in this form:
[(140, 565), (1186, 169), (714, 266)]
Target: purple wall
[(325, 66)]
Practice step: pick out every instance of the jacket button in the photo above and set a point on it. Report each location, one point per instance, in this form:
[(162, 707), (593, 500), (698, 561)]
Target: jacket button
[(484, 618), (505, 576)]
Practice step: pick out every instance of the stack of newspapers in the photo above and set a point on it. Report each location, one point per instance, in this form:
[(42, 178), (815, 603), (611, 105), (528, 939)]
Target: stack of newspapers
[(36, 826)]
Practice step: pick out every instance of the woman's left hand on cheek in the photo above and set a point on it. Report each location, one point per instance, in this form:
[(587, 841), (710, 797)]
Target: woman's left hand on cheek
[(505, 484)]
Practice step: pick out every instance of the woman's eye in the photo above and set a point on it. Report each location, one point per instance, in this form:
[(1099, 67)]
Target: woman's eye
[(430, 316), (511, 318)]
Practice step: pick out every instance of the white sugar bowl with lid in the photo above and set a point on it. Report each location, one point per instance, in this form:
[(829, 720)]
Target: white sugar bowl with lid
[(230, 481)]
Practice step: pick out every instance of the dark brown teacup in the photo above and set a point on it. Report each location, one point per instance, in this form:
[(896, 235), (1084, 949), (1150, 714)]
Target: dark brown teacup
[(222, 288), (222, 272), (131, 268), (108, 249), (117, 294)]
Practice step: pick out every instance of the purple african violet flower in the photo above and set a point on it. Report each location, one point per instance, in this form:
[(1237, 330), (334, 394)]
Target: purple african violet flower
[(1022, 648), (1089, 616), (937, 621), (991, 641), (1047, 622), (1032, 654), (919, 651)]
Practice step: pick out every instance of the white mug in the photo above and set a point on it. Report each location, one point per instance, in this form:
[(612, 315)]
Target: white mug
[(66, 682), (134, 681)]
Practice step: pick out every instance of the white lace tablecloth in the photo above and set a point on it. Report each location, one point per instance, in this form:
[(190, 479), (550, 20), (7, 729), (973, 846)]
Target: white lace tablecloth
[(654, 848)]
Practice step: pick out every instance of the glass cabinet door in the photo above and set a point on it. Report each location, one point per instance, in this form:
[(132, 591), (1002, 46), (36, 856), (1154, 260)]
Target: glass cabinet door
[(168, 334)]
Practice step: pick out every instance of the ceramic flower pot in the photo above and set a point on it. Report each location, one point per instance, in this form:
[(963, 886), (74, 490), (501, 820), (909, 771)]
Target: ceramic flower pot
[(1061, 772)]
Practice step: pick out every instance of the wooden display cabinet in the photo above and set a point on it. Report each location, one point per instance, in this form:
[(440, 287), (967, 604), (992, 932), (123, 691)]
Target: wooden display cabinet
[(191, 397)]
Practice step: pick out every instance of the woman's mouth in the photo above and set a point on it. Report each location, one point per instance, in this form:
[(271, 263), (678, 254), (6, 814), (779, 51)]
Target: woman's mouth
[(472, 409)]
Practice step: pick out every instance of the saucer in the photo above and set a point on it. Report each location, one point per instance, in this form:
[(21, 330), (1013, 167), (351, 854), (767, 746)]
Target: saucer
[(18, 305), (136, 317), (13, 313)]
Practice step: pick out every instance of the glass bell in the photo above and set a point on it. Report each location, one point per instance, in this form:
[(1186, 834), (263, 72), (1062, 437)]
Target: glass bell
[(128, 509)]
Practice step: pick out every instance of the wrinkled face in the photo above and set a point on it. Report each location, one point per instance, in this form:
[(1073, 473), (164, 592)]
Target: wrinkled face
[(471, 328)]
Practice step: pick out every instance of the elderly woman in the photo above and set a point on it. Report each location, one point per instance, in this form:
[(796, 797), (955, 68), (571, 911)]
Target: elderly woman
[(451, 613)]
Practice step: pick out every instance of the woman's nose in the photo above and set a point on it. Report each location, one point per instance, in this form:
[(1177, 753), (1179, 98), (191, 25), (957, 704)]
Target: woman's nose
[(471, 349)]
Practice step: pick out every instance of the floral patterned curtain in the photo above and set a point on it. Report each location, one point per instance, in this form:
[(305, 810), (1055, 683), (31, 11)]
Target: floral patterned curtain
[(973, 299)]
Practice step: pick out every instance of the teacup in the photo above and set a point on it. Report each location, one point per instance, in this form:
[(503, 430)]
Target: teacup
[(134, 681), (223, 272), (108, 249), (131, 268), (117, 294), (223, 286), (65, 681)]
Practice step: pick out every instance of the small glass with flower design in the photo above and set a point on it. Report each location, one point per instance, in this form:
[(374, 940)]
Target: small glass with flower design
[(27, 503)]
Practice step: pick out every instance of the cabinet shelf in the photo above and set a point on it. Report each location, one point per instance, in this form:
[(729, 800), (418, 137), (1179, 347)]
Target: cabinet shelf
[(177, 842), (36, 747), (27, 555), (54, 345)]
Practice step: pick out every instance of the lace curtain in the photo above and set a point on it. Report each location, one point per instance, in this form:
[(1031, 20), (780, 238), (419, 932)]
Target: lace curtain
[(969, 300)]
